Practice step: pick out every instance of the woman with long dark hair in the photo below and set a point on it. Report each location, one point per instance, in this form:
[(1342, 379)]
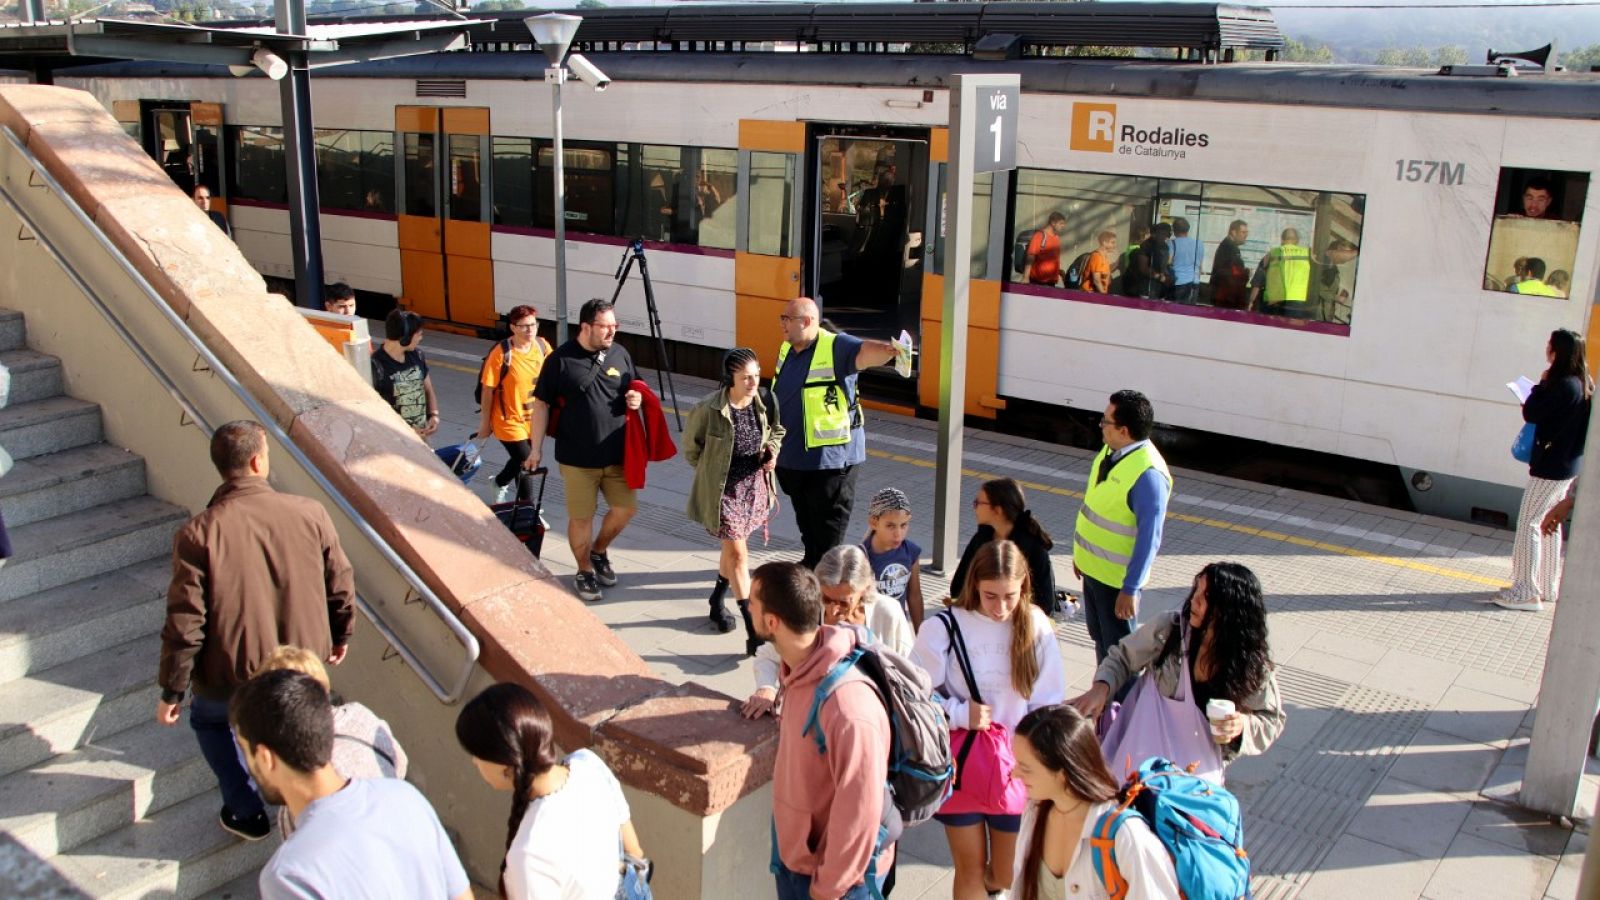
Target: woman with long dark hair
[(569, 827), (1016, 668), (1003, 515), (1225, 619), (1558, 407), (732, 442), (1069, 790)]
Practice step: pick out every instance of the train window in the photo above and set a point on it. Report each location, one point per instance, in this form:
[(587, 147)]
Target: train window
[(655, 209), (982, 212), (355, 170), (715, 199), (257, 170), (421, 186), (589, 182), (1284, 252), (1534, 240), (513, 181), (466, 178), (772, 193)]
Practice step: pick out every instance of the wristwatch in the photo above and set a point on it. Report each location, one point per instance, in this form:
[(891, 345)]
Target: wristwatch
[(171, 696)]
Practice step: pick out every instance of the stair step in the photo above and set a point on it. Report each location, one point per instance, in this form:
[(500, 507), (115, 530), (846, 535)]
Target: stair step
[(59, 483), (88, 699), (13, 330), (248, 887), (74, 798), (179, 852), (26, 376), (77, 545), (46, 426), (44, 630)]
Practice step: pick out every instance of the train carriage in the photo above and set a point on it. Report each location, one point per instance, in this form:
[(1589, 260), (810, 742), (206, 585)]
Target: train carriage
[(757, 174)]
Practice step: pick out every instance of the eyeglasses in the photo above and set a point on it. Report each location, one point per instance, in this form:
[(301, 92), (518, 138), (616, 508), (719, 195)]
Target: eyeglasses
[(1108, 422), (979, 501), (522, 325), (786, 318)]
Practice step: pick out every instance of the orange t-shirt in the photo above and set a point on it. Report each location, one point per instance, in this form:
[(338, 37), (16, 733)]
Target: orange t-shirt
[(509, 408), (1097, 263), (1045, 248)]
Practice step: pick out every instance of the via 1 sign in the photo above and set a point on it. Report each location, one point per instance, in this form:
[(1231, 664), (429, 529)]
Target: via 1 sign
[(995, 144)]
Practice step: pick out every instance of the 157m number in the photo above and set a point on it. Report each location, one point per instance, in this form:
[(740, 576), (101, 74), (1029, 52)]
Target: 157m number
[(1428, 171)]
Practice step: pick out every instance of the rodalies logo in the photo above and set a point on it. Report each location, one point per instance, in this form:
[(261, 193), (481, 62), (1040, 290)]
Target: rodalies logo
[(1095, 130)]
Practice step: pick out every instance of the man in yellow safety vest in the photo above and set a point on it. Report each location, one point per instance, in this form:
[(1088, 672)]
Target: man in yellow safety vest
[(1285, 277), (824, 440), (1119, 525)]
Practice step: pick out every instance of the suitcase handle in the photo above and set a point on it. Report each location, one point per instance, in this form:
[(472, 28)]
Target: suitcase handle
[(544, 476)]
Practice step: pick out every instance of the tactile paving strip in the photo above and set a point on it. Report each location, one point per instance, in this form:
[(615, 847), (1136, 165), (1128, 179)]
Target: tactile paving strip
[(1292, 822)]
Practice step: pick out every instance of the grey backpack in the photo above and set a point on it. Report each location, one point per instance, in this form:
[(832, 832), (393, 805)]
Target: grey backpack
[(921, 774)]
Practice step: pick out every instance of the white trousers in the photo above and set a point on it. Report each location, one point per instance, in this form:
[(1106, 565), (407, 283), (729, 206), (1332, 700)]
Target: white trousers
[(1536, 557)]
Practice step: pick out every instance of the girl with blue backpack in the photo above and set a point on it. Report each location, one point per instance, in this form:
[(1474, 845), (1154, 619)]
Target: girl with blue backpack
[(1069, 791)]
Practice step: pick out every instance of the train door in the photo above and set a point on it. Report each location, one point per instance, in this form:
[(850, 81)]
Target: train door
[(766, 271), (989, 258), (446, 267), (186, 140), (868, 206)]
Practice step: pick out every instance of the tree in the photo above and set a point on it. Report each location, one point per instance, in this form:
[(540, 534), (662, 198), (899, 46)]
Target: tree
[(1581, 59), (499, 6), (1297, 51), (591, 4), (1452, 55)]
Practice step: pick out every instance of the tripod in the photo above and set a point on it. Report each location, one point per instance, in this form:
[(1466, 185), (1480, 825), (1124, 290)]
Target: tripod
[(634, 252)]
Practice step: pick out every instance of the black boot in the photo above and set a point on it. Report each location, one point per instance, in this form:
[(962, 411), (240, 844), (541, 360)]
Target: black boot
[(751, 642), (721, 619)]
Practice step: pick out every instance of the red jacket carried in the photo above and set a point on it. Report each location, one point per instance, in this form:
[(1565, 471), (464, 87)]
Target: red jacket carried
[(646, 437)]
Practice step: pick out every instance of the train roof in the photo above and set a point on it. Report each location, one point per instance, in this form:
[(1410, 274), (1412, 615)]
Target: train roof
[(1557, 95)]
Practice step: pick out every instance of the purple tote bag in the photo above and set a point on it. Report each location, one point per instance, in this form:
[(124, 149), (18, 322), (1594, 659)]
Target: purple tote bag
[(1149, 724)]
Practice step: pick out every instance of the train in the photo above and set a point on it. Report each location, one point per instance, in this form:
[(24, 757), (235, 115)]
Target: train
[(763, 153)]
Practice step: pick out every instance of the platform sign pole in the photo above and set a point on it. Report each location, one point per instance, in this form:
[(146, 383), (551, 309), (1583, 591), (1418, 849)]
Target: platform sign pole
[(1570, 689), (983, 138)]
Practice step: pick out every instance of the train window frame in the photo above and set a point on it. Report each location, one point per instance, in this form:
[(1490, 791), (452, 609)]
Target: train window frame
[(1335, 218), (267, 171), (364, 179), (1553, 229)]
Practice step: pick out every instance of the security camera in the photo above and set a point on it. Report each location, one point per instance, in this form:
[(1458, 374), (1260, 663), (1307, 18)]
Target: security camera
[(588, 72)]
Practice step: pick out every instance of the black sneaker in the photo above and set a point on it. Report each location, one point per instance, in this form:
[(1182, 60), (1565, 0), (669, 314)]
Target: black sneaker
[(587, 587), (603, 572), (253, 828)]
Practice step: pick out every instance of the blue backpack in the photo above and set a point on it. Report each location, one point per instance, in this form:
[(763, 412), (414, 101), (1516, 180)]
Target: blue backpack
[(1197, 821)]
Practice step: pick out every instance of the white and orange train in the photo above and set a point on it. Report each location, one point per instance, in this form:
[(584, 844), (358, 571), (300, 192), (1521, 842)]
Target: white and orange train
[(755, 175)]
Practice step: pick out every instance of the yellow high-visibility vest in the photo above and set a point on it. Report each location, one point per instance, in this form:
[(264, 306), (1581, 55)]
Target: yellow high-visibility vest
[(825, 405), (1288, 273), (1102, 542)]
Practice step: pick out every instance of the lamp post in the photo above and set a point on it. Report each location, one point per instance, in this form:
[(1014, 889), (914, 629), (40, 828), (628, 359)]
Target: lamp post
[(554, 32)]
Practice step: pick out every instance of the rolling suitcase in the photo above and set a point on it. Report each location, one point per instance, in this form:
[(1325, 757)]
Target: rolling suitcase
[(524, 516)]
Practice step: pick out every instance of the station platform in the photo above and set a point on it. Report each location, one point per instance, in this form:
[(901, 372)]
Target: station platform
[(1409, 701)]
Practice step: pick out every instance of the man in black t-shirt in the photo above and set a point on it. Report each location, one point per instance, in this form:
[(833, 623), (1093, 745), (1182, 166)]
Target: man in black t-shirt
[(586, 381)]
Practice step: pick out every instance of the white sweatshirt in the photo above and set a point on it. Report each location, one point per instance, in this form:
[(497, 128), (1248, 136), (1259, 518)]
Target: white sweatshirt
[(989, 646), (885, 619)]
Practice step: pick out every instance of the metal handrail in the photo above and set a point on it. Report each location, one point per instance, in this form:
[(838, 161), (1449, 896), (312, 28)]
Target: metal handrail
[(468, 640)]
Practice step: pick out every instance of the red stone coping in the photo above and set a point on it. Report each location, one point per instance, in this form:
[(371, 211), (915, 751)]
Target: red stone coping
[(686, 744)]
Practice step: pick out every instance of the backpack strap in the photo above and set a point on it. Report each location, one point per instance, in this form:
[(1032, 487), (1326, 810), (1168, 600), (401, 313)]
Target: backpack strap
[(1103, 842), (825, 688)]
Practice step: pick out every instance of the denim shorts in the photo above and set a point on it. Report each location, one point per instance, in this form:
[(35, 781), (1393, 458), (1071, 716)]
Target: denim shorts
[(995, 821)]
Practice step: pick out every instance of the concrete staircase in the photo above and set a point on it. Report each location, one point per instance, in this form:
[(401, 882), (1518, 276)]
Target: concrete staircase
[(96, 799)]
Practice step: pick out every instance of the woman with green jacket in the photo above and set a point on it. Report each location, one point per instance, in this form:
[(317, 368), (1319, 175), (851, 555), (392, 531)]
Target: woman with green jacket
[(732, 441)]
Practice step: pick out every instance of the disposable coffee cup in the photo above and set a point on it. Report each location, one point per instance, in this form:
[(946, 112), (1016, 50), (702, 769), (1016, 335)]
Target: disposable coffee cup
[(1217, 709)]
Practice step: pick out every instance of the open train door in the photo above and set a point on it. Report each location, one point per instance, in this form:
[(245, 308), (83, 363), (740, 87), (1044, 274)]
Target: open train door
[(766, 268), (989, 252), (446, 267)]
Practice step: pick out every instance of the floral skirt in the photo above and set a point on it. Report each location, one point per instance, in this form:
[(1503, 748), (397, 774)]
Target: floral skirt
[(745, 507)]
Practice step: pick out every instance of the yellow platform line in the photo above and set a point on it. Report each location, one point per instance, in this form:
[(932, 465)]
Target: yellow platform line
[(1221, 524)]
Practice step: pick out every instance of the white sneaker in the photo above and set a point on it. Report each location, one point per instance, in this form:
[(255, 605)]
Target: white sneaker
[(503, 494), (1519, 606)]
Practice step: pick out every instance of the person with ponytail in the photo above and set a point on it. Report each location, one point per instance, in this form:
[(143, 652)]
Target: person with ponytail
[(1014, 662), (570, 835), (1225, 619), (1003, 515), (1558, 409), (732, 441), (1069, 790)]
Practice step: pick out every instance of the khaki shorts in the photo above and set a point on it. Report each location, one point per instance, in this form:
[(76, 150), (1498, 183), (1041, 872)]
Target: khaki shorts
[(582, 485)]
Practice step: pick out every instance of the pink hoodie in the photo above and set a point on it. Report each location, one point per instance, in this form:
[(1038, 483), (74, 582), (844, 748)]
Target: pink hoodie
[(830, 843)]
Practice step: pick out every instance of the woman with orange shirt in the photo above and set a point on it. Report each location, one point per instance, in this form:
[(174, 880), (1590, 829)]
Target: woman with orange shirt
[(507, 393)]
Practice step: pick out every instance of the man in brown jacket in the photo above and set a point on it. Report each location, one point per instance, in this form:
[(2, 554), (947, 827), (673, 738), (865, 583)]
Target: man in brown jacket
[(255, 570)]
